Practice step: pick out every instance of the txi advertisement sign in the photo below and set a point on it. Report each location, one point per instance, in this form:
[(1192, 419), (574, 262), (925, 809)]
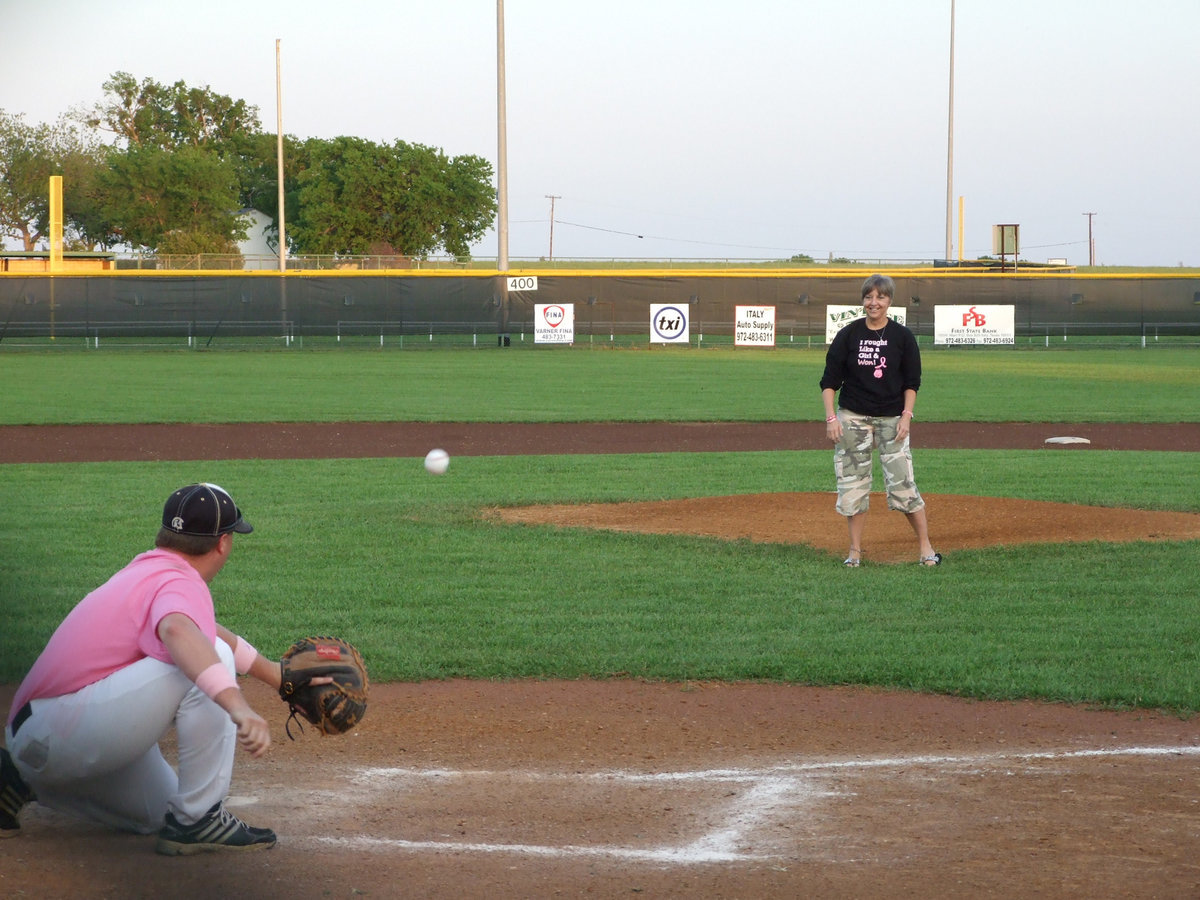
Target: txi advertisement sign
[(669, 323)]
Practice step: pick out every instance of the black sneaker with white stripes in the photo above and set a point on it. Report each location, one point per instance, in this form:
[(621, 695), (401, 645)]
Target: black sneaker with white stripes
[(218, 830), (14, 794)]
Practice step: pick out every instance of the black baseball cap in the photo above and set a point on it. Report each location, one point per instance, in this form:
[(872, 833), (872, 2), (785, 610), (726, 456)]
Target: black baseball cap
[(203, 509)]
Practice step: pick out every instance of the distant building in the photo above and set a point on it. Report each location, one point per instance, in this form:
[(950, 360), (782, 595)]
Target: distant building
[(259, 250)]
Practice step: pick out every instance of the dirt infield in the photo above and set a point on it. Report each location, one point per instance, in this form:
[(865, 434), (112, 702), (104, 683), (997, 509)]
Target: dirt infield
[(956, 522), (618, 788), (349, 440)]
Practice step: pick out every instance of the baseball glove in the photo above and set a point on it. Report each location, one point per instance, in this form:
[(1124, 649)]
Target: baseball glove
[(335, 707)]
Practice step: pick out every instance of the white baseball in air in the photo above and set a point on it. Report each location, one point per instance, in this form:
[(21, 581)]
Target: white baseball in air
[(437, 462)]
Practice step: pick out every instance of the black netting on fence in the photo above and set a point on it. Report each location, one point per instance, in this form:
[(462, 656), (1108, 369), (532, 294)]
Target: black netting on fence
[(202, 307)]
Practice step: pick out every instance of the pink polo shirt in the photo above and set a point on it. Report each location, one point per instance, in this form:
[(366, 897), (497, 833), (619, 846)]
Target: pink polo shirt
[(117, 624)]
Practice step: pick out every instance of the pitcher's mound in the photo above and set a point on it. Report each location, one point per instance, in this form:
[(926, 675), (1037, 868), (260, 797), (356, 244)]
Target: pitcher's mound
[(955, 522)]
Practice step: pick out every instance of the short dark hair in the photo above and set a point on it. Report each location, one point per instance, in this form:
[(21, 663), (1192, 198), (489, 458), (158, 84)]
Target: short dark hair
[(189, 544), (880, 283)]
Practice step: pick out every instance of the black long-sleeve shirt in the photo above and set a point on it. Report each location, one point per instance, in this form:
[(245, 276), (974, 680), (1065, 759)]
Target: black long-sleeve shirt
[(871, 369)]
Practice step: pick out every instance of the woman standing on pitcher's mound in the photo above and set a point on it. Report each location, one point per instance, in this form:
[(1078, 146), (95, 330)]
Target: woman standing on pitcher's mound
[(876, 364)]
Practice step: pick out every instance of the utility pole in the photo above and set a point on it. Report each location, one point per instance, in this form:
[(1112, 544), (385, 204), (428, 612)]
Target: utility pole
[(552, 198), (1091, 242)]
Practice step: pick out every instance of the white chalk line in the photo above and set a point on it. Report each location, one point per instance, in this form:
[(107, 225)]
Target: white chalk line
[(373, 775), (669, 855), (772, 790), (721, 844)]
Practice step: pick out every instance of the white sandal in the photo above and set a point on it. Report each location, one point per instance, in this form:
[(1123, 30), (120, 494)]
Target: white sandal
[(853, 562)]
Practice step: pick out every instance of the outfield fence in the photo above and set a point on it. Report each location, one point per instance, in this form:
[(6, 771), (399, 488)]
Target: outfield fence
[(611, 308)]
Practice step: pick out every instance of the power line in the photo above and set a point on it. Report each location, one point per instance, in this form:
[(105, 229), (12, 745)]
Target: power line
[(1059, 244), (659, 237), (791, 250), (596, 228)]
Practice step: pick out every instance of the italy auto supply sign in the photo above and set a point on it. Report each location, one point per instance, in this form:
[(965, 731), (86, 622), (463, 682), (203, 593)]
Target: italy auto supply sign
[(754, 326)]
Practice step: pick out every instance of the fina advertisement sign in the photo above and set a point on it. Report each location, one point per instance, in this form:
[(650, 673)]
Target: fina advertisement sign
[(974, 325), (836, 317), (669, 323), (554, 323)]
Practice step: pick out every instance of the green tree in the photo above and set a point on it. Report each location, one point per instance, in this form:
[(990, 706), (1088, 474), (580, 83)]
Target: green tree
[(259, 176), (29, 155), (184, 161), (25, 169), (149, 114), (208, 248), (87, 224), (355, 196), (473, 204), (149, 193), (174, 179)]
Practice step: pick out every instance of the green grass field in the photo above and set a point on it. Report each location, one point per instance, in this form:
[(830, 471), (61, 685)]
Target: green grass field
[(404, 565), (565, 385)]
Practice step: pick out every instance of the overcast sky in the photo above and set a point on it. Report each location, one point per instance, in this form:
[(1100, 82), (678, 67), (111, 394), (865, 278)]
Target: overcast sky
[(694, 128)]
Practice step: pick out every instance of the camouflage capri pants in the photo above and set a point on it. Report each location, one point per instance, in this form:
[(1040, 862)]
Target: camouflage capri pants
[(852, 464)]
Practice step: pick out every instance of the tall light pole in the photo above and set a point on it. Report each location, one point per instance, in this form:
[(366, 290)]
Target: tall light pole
[(279, 157), (282, 233), (552, 198), (1091, 242), (950, 147), (501, 148)]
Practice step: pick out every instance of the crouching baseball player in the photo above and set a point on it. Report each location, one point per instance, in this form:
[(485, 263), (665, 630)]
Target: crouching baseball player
[(139, 654)]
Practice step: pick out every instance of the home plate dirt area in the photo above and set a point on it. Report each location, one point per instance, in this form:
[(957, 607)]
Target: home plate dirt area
[(624, 788)]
